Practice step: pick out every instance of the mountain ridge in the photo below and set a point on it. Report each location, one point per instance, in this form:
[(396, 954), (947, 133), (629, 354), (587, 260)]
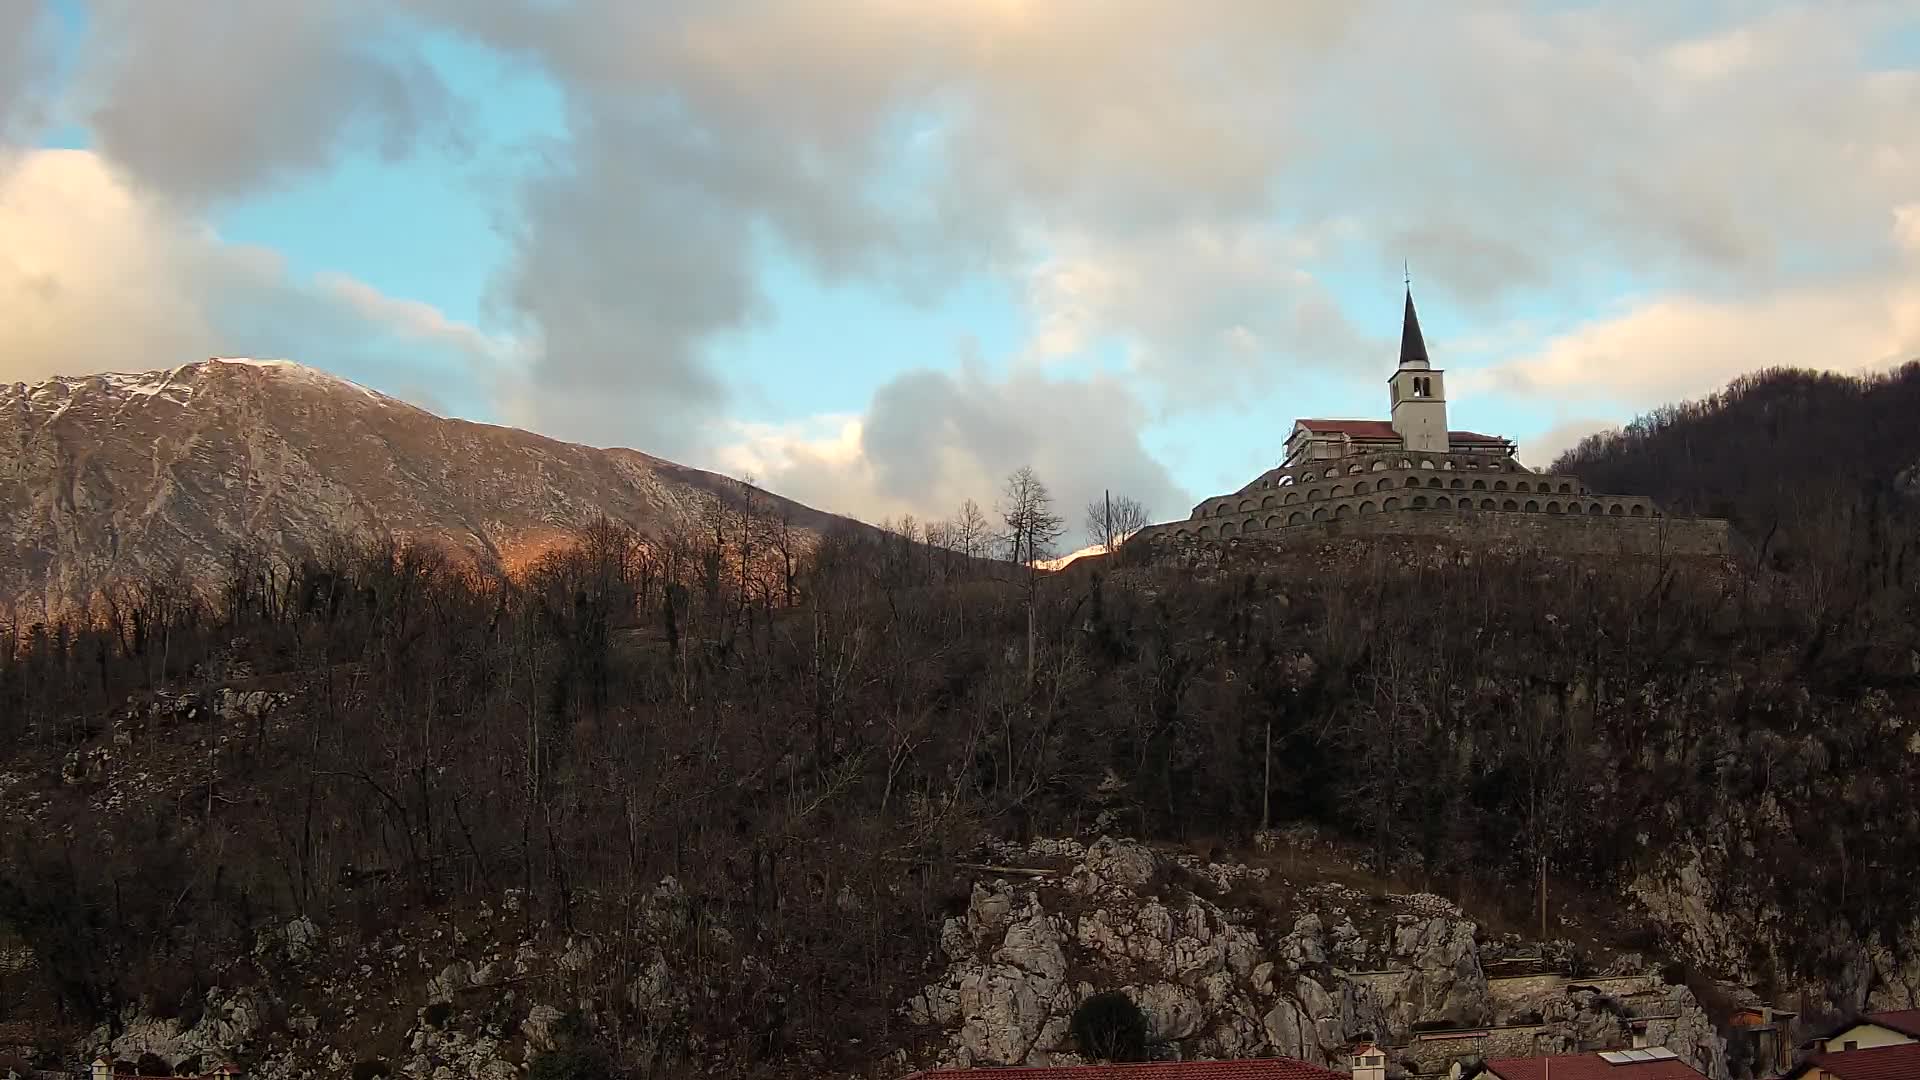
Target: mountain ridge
[(115, 476)]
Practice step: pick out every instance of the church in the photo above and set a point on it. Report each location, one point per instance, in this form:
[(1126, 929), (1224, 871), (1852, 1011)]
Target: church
[(1413, 475)]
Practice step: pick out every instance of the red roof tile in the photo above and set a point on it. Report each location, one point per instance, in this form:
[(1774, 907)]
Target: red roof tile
[(1353, 429), (1589, 1067), (1251, 1069), (1880, 1063), (1904, 1021), (1472, 437)]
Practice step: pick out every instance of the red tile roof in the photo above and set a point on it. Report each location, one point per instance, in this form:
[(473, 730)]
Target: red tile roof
[(1383, 429), (1904, 1021), (1250, 1069), (1353, 429), (1880, 1063), (1589, 1067)]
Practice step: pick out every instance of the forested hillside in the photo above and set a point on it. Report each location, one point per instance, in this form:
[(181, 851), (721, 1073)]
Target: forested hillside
[(808, 743)]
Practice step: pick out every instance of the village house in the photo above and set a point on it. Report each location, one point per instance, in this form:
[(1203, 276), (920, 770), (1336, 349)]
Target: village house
[(1649, 1063), (1900, 1061), (1247, 1069), (1873, 1030)]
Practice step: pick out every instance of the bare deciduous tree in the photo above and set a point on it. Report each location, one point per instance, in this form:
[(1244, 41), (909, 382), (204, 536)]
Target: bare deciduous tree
[(1113, 518)]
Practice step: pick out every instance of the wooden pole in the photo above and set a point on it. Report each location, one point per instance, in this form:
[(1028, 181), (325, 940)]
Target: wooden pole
[(1543, 901)]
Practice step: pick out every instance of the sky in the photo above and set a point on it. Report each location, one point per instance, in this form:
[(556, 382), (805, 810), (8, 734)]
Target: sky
[(878, 253)]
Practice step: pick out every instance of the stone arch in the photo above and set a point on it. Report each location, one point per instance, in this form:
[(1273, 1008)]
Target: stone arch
[(1486, 504), (1338, 491), (1419, 502), (1433, 482), (1206, 532), (1426, 463), (1368, 507), (1594, 510), (1183, 535), (1228, 528), (1499, 485), (1320, 514), (1360, 487), (1284, 481), (1533, 506), (1385, 483), (1223, 508), (1343, 510), (1269, 503), (1446, 464), (1637, 511), (1553, 507), (1273, 521), (1290, 497), (1246, 505), (1566, 489), (1443, 503), (1313, 495), (1509, 505), (1464, 503), (1296, 518), (1479, 484), (1458, 483), (1356, 467), (1614, 510), (1380, 466), (1406, 463), (1521, 485), (1390, 504)]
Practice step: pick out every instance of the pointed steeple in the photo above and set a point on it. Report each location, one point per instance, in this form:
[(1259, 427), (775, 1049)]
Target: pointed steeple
[(1413, 347)]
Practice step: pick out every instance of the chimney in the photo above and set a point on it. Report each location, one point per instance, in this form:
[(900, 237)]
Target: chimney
[(1369, 1062), (101, 1069)]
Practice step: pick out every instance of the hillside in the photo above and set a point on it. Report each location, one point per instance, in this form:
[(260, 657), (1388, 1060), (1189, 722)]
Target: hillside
[(628, 816), (117, 478)]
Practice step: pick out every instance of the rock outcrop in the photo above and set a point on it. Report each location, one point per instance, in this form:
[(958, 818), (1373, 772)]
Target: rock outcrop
[(1213, 983)]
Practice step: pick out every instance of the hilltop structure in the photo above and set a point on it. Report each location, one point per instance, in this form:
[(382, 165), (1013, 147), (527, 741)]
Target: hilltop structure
[(1412, 475)]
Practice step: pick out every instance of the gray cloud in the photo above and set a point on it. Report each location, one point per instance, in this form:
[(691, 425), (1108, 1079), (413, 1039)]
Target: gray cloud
[(23, 62), (930, 439), (209, 100)]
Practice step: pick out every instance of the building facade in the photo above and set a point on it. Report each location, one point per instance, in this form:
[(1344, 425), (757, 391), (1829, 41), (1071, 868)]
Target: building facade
[(1412, 475)]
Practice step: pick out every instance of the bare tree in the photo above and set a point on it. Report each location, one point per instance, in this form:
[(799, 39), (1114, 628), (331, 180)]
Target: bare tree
[(970, 530), (1111, 519), (1032, 529)]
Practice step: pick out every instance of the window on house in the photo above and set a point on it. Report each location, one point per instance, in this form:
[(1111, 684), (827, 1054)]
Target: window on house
[(1851, 1044)]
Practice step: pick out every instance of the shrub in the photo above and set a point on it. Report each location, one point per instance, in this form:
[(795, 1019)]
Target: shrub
[(1110, 1027), (369, 1070), (152, 1064), (570, 1063)]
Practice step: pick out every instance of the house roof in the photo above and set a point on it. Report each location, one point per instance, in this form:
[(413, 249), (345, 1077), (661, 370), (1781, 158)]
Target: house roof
[(1904, 1021), (1900, 1062), (1249, 1069), (1472, 437), (1413, 347), (1589, 1067)]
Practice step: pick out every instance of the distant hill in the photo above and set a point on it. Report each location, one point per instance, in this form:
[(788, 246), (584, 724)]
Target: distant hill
[(1796, 459), (111, 477)]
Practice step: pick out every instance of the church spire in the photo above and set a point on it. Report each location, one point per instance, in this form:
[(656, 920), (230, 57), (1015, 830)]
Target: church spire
[(1413, 347)]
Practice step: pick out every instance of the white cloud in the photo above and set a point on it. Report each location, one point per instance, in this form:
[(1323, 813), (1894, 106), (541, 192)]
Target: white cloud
[(97, 276)]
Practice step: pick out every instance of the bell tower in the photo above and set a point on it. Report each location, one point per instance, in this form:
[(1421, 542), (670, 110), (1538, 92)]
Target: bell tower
[(1419, 391)]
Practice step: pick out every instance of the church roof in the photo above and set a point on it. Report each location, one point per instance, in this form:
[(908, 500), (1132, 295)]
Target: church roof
[(1383, 430), (1413, 347), (1356, 429)]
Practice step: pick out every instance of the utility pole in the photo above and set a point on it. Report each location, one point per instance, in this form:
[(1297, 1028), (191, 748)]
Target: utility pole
[(1543, 902), (1266, 779)]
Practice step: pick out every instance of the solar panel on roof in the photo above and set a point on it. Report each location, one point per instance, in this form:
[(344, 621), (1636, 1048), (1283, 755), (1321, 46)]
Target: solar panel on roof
[(1615, 1057)]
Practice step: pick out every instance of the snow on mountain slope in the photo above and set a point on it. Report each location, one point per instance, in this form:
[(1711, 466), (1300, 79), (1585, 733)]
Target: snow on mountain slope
[(113, 476)]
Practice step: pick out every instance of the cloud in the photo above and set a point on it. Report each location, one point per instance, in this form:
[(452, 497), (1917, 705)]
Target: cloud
[(202, 101), (929, 440), (23, 63), (99, 276)]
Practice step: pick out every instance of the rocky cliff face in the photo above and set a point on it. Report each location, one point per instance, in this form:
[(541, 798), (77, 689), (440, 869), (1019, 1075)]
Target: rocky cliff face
[(113, 477), (1215, 983)]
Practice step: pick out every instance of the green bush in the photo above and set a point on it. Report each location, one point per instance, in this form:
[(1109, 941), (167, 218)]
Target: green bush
[(1110, 1027)]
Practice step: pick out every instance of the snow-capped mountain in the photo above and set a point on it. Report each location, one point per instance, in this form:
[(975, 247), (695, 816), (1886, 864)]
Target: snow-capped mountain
[(110, 477)]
